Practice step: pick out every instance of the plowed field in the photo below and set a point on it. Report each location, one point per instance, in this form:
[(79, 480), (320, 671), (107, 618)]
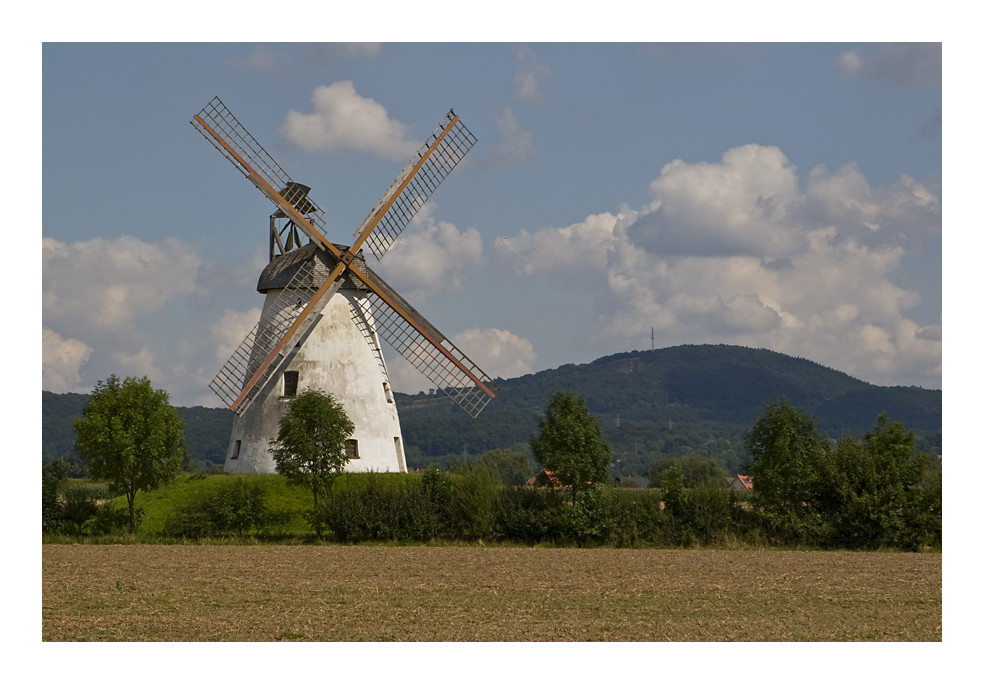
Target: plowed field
[(343, 593)]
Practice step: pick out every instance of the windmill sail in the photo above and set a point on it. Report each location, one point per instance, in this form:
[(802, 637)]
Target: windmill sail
[(263, 351), (441, 152), (236, 144), (427, 350)]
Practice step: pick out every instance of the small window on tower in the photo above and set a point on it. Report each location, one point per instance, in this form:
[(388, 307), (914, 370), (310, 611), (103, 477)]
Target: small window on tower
[(239, 443), (386, 391), (352, 449), (290, 383)]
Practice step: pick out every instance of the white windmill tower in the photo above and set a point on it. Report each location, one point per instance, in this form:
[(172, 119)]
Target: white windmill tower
[(325, 309)]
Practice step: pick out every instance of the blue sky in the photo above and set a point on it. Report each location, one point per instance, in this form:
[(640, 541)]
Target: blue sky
[(785, 196)]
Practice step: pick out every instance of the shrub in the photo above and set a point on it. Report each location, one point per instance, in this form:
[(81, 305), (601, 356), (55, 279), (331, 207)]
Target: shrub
[(234, 507), (470, 512), (80, 504), (602, 516), (636, 519), (383, 506), (528, 515), (706, 514), (113, 518), (509, 467), (53, 474), (711, 512)]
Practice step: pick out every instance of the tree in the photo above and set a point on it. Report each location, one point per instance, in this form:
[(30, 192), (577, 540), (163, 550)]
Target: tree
[(130, 435), (872, 492), (570, 445), (310, 449), (787, 451)]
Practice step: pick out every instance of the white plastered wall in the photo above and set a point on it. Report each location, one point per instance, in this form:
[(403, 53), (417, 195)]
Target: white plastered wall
[(335, 358)]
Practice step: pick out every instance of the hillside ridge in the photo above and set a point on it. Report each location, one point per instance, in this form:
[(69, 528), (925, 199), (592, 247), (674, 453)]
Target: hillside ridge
[(653, 405)]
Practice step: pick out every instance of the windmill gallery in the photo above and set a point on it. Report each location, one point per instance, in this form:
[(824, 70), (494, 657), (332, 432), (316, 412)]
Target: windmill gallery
[(325, 310)]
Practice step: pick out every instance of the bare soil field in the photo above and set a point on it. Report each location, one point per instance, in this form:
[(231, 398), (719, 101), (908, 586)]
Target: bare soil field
[(380, 593)]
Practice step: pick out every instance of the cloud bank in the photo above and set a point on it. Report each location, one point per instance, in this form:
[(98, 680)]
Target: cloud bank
[(745, 250), (736, 251), (127, 307), (431, 257)]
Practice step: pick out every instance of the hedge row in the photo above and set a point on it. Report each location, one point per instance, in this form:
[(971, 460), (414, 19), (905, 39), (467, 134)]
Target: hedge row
[(470, 505)]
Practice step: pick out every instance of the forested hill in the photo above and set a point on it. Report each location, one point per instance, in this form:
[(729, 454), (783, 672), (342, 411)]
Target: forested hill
[(663, 403), (690, 399), (206, 430)]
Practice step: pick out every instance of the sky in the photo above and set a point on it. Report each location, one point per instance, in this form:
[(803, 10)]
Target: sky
[(784, 196)]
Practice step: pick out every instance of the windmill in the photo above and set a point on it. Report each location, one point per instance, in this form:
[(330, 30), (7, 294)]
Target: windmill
[(325, 310)]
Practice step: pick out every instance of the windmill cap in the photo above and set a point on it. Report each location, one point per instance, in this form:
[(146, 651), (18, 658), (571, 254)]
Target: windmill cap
[(279, 272)]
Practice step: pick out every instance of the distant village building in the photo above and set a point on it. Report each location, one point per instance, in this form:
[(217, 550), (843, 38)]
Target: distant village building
[(740, 482), (544, 478)]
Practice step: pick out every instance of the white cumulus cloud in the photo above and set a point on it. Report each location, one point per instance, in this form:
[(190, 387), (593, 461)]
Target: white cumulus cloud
[(229, 330), (905, 212), (514, 145), (743, 204), (61, 360), (263, 59), (344, 120), (116, 306), (106, 285), (735, 252), (575, 255), (431, 256), (499, 353)]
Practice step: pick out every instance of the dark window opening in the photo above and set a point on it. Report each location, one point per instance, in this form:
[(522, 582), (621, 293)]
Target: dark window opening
[(290, 383), (236, 447), (352, 449)]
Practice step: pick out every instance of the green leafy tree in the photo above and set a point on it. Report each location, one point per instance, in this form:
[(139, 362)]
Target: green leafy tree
[(570, 444), (131, 436), (872, 492), (787, 452), (310, 449)]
